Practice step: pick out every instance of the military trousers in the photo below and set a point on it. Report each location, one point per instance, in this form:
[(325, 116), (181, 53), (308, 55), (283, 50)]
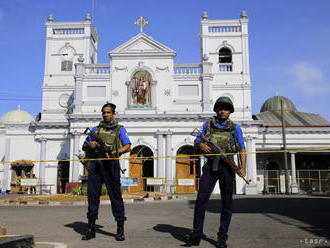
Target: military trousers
[(225, 175), (107, 172)]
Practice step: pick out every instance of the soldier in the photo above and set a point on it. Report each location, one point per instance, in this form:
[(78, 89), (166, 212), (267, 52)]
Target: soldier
[(115, 139), (228, 136)]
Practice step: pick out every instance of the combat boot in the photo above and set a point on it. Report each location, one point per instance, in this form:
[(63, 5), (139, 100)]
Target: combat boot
[(221, 243), (193, 238), (120, 231), (91, 230)]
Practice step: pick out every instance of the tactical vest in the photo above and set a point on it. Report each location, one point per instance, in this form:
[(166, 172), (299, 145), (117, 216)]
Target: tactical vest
[(223, 136), (109, 135)]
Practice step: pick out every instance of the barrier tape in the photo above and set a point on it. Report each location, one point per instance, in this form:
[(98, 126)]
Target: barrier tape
[(176, 156)]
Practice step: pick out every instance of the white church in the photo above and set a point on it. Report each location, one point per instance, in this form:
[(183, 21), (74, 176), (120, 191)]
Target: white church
[(158, 101)]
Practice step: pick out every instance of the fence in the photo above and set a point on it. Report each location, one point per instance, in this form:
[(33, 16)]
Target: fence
[(307, 181)]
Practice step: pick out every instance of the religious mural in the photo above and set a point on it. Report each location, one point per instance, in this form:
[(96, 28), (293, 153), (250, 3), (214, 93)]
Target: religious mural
[(140, 89)]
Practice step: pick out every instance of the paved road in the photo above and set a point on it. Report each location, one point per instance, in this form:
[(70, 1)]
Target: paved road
[(263, 221)]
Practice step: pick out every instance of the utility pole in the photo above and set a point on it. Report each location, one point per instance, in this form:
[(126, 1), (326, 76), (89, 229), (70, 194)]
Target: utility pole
[(93, 10), (287, 189)]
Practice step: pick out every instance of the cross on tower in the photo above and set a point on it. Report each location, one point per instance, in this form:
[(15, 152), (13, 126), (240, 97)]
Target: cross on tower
[(141, 22)]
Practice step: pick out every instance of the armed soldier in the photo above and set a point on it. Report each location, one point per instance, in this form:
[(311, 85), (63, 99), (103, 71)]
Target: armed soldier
[(226, 135), (114, 141)]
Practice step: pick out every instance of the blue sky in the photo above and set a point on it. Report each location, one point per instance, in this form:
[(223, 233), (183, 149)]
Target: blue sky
[(288, 39)]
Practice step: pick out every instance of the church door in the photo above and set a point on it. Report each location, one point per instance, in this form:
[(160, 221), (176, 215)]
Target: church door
[(135, 171)]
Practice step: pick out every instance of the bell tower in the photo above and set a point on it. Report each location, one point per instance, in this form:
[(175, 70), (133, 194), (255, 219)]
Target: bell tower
[(224, 44), (65, 43)]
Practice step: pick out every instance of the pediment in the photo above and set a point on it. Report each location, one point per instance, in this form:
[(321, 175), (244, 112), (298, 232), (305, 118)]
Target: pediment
[(144, 45)]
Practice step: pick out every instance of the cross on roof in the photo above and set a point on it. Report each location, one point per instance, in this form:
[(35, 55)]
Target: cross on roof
[(141, 22)]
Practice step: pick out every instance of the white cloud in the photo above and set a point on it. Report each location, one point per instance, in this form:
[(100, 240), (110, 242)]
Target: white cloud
[(309, 78)]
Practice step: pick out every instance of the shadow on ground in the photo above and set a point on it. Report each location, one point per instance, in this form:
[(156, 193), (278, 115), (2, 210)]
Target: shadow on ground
[(179, 233), (315, 212), (81, 228)]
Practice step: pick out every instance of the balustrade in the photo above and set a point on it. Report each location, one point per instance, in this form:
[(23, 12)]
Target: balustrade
[(225, 67), (185, 69), (63, 31), (97, 69), (225, 29)]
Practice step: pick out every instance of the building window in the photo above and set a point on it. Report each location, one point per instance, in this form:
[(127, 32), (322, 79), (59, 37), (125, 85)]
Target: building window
[(66, 65), (225, 60), (96, 91), (140, 90), (67, 54), (188, 90), (225, 55)]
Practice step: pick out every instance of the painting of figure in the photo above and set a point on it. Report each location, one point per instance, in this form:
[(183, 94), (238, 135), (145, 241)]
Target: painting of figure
[(140, 89)]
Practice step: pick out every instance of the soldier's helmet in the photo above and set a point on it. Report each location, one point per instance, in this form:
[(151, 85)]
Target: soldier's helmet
[(223, 101)]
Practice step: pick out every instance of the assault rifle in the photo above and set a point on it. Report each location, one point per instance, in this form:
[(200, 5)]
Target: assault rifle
[(101, 145), (219, 155)]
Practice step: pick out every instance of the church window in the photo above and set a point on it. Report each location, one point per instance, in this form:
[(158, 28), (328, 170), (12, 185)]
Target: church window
[(66, 65), (96, 91), (67, 53), (225, 55), (188, 90), (140, 90), (225, 60)]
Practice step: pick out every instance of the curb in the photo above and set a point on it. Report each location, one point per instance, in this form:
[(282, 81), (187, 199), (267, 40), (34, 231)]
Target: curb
[(85, 203), (25, 241)]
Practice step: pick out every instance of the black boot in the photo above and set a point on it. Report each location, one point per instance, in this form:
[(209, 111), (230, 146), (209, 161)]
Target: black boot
[(193, 238), (221, 243), (91, 230), (120, 231)]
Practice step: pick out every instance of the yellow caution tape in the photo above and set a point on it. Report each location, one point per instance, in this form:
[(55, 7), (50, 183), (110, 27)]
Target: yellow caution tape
[(176, 156)]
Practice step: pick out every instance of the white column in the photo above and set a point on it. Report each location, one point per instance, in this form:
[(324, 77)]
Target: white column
[(42, 165), (169, 169), (153, 94), (294, 185), (124, 165), (80, 72), (159, 172), (207, 77), (251, 166), (6, 170), (76, 164)]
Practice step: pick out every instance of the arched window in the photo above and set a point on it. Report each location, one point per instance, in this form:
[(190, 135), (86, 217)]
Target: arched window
[(67, 53), (225, 55), (225, 59), (140, 89)]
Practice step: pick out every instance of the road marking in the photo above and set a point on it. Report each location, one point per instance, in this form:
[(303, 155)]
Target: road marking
[(56, 245)]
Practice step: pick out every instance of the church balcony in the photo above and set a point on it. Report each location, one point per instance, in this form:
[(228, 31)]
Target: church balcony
[(186, 69), (97, 69)]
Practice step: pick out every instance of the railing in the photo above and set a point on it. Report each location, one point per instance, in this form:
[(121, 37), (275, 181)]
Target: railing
[(97, 69), (223, 29), (186, 69), (313, 180), (63, 31), (226, 67), (307, 180)]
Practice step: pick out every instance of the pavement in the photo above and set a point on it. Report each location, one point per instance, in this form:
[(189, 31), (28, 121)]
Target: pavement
[(257, 221)]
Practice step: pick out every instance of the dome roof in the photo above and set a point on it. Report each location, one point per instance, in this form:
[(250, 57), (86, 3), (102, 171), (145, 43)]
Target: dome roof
[(274, 104), (17, 117)]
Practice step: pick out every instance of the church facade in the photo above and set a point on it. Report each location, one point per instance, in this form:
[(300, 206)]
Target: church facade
[(158, 101)]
